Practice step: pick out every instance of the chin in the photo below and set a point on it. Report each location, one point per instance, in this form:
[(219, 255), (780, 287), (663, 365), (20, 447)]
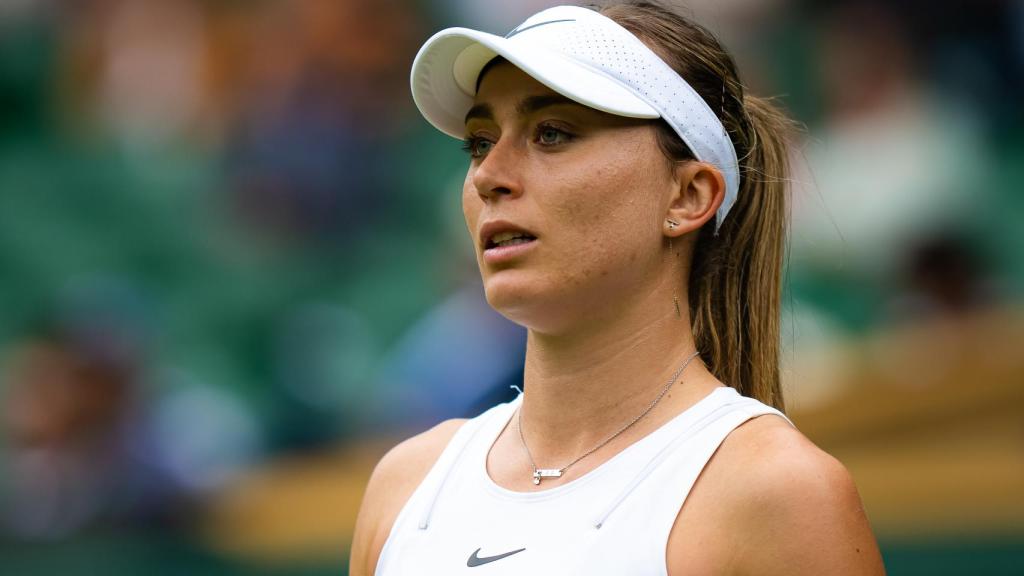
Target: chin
[(506, 297), (525, 303)]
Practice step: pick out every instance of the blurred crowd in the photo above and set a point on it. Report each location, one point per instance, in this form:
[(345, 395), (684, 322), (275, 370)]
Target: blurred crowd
[(227, 237)]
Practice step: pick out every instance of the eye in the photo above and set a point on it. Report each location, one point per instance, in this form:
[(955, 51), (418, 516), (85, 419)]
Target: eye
[(551, 136), (476, 146)]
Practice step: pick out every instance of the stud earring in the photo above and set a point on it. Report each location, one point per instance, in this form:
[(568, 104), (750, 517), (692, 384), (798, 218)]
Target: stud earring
[(672, 224)]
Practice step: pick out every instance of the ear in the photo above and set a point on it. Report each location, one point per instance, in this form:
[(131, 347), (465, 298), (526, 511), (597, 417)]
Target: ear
[(698, 192)]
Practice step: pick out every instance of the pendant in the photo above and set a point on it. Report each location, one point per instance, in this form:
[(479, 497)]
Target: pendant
[(545, 473)]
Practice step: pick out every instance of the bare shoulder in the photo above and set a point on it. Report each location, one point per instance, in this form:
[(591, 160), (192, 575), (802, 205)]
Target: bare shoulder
[(795, 503), (392, 483)]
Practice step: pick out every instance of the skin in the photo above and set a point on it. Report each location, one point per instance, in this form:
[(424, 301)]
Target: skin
[(595, 291)]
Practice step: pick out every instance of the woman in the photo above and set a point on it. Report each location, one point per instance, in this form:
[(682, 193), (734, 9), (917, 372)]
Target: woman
[(626, 200)]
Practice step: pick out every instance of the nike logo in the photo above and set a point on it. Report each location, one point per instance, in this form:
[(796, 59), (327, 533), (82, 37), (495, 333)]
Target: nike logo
[(525, 28), (475, 560)]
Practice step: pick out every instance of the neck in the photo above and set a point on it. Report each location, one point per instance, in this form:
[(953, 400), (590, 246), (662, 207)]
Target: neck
[(585, 385)]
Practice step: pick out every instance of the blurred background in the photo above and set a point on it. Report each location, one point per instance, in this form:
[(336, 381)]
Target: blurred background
[(233, 271)]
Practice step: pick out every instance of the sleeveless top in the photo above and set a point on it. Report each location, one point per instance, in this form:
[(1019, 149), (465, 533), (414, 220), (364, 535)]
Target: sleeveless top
[(613, 520)]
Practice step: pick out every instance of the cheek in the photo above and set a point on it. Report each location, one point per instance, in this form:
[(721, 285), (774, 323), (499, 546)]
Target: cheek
[(612, 219), (614, 201), (471, 204)]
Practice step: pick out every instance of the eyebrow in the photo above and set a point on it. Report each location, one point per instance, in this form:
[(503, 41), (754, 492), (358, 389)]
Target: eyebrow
[(527, 105)]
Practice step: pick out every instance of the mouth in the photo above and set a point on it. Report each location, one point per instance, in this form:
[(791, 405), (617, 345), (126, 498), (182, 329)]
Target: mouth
[(504, 242), (503, 234), (509, 238)]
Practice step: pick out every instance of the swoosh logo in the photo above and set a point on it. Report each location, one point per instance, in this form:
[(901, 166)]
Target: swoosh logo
[(525, 28), (475, 560)]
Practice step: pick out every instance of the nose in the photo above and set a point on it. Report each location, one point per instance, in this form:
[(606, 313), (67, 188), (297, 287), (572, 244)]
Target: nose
[(499, 173)]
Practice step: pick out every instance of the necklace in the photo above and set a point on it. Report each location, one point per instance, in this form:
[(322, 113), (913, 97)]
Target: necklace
[(539, 473)]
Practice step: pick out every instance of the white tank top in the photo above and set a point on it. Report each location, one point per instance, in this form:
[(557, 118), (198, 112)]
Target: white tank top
[(614, 520)]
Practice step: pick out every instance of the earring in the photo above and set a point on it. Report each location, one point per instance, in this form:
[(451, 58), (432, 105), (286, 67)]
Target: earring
[(675, 299)]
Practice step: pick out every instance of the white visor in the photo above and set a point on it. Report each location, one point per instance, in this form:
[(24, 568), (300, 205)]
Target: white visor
[(584, 56)]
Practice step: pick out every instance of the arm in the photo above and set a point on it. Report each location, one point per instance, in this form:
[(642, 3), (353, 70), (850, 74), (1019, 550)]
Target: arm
[(391, 485)]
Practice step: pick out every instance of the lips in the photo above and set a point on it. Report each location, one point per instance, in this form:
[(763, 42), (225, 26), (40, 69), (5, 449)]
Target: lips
[(501, 234), (503, 239), (504, 243)]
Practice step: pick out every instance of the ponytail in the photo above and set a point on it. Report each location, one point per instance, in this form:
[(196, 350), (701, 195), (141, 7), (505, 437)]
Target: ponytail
[(736, 275)]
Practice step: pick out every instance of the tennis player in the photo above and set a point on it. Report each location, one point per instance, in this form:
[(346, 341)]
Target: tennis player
[(626, 198)]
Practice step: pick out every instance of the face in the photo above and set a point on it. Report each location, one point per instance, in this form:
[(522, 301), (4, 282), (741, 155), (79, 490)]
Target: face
[(565, 204)]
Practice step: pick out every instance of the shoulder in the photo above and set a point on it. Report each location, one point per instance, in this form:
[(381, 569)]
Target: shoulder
[(414, 456), (797, 503), (771, 502), (392, 483), (783, 471)]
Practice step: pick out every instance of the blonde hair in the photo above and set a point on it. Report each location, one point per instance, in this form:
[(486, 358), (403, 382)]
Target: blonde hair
[(735, 277)]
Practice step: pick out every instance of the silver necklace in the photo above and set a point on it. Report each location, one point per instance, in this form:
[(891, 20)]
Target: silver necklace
[(539, 473)]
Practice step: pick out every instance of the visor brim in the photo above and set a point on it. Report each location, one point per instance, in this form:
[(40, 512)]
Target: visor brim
[(445, 72)]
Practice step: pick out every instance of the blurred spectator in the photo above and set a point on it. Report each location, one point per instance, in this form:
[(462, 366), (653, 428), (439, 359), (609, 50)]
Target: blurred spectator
[(890, 164), (944, 275), (150, 88), (89, 441), (69, 421), (309, 156)]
